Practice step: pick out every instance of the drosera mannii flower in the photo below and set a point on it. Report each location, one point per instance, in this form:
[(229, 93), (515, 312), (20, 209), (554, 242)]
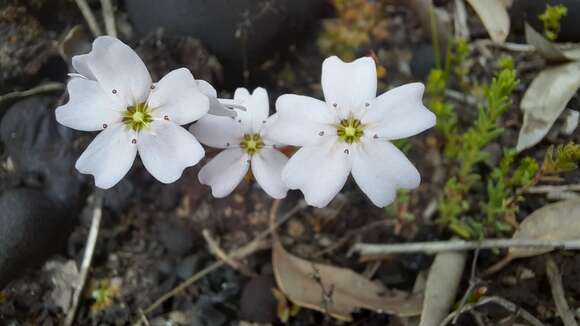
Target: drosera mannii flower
[(245, 145), (112, 92), (350, 132)]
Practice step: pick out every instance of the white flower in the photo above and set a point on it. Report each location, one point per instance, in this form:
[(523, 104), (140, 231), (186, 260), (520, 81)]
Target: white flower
[(350, 132), (113, 92), (244, 145)]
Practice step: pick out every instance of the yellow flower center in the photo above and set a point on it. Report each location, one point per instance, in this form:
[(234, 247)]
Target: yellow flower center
[(137, 117), (350, 130), (252, 143)]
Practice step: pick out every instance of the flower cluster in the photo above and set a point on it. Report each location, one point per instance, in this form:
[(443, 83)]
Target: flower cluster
[(349, 132)]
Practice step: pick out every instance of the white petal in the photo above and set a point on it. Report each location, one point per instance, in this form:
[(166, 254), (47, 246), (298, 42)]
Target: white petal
[(350, 84), (206, 88), (241, 94), (166, 149), (379, 169), (116, 67), (176, 96), (225, 171), (80, 64), (301, 119), (399, 113), (319, 172), (217, 131), (257, 108), (88, 108), (267, 168), (109, 156), (215, 107)]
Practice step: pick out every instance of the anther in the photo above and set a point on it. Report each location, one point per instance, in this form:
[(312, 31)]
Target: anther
[(367, 104), (114, 91), (227, 144), (376, 136), (152, 86), (104, 125), (346, 151), (263, 121), (240, 120), (134, 141), (166, 117), (321, 133), (335, 105)]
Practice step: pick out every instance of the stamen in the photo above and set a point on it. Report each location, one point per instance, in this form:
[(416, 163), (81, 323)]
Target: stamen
[(321, 133), (346, 151), (367, 104), (166, 117), (134, 141), (376, 136), (114, 91), (152, 86), (228, 144), (104, 126), (335, 105)]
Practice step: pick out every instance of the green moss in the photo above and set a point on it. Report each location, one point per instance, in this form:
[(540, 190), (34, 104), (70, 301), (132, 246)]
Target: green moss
[(551, 19)]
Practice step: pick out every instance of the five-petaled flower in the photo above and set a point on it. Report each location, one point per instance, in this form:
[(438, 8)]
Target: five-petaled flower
[(113, 92), (350, 132), (245, 144)]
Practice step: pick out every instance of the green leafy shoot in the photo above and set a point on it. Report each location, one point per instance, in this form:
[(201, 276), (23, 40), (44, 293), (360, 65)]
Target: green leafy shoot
[(551, 18), (468, 152), (561, 158)]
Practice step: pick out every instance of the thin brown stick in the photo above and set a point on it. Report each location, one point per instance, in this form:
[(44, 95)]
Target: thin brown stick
[(253, 246), (44, 88), (385, 250), (217, 251), (508, 305), (555, 278), (89, 17), (109, 17), (88, 256)]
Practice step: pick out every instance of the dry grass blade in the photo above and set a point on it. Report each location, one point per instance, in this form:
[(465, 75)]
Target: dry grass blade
[(555, 279)]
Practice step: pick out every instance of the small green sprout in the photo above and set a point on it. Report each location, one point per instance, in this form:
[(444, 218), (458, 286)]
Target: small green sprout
[(551, 18)]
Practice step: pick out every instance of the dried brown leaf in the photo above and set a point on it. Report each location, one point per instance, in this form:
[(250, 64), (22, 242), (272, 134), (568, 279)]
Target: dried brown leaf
[(549, 50), (558, 221), (495, 18), (336, 291), (545, 100)]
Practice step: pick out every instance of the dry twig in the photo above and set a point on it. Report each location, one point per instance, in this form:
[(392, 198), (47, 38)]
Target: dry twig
[(88, 256), (555, 279), (508, 305), (256, 244), (385, 250), (214, 248), (89, 17), (109, 17), (44, 88)]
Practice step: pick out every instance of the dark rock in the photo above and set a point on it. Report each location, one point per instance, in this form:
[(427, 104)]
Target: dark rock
[(529, 10), (32, 227), (178, 239), (258, 303), (25, 47), (422, 60), (40, 147), (228, 28)]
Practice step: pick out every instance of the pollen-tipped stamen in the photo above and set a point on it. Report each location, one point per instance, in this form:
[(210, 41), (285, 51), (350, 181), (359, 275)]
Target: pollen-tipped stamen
[(350, 130), (137, 117), (252, 143)]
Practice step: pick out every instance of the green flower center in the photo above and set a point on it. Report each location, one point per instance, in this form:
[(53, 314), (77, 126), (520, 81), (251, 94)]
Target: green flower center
[(350, 130), (252, 143), (137, 117)]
